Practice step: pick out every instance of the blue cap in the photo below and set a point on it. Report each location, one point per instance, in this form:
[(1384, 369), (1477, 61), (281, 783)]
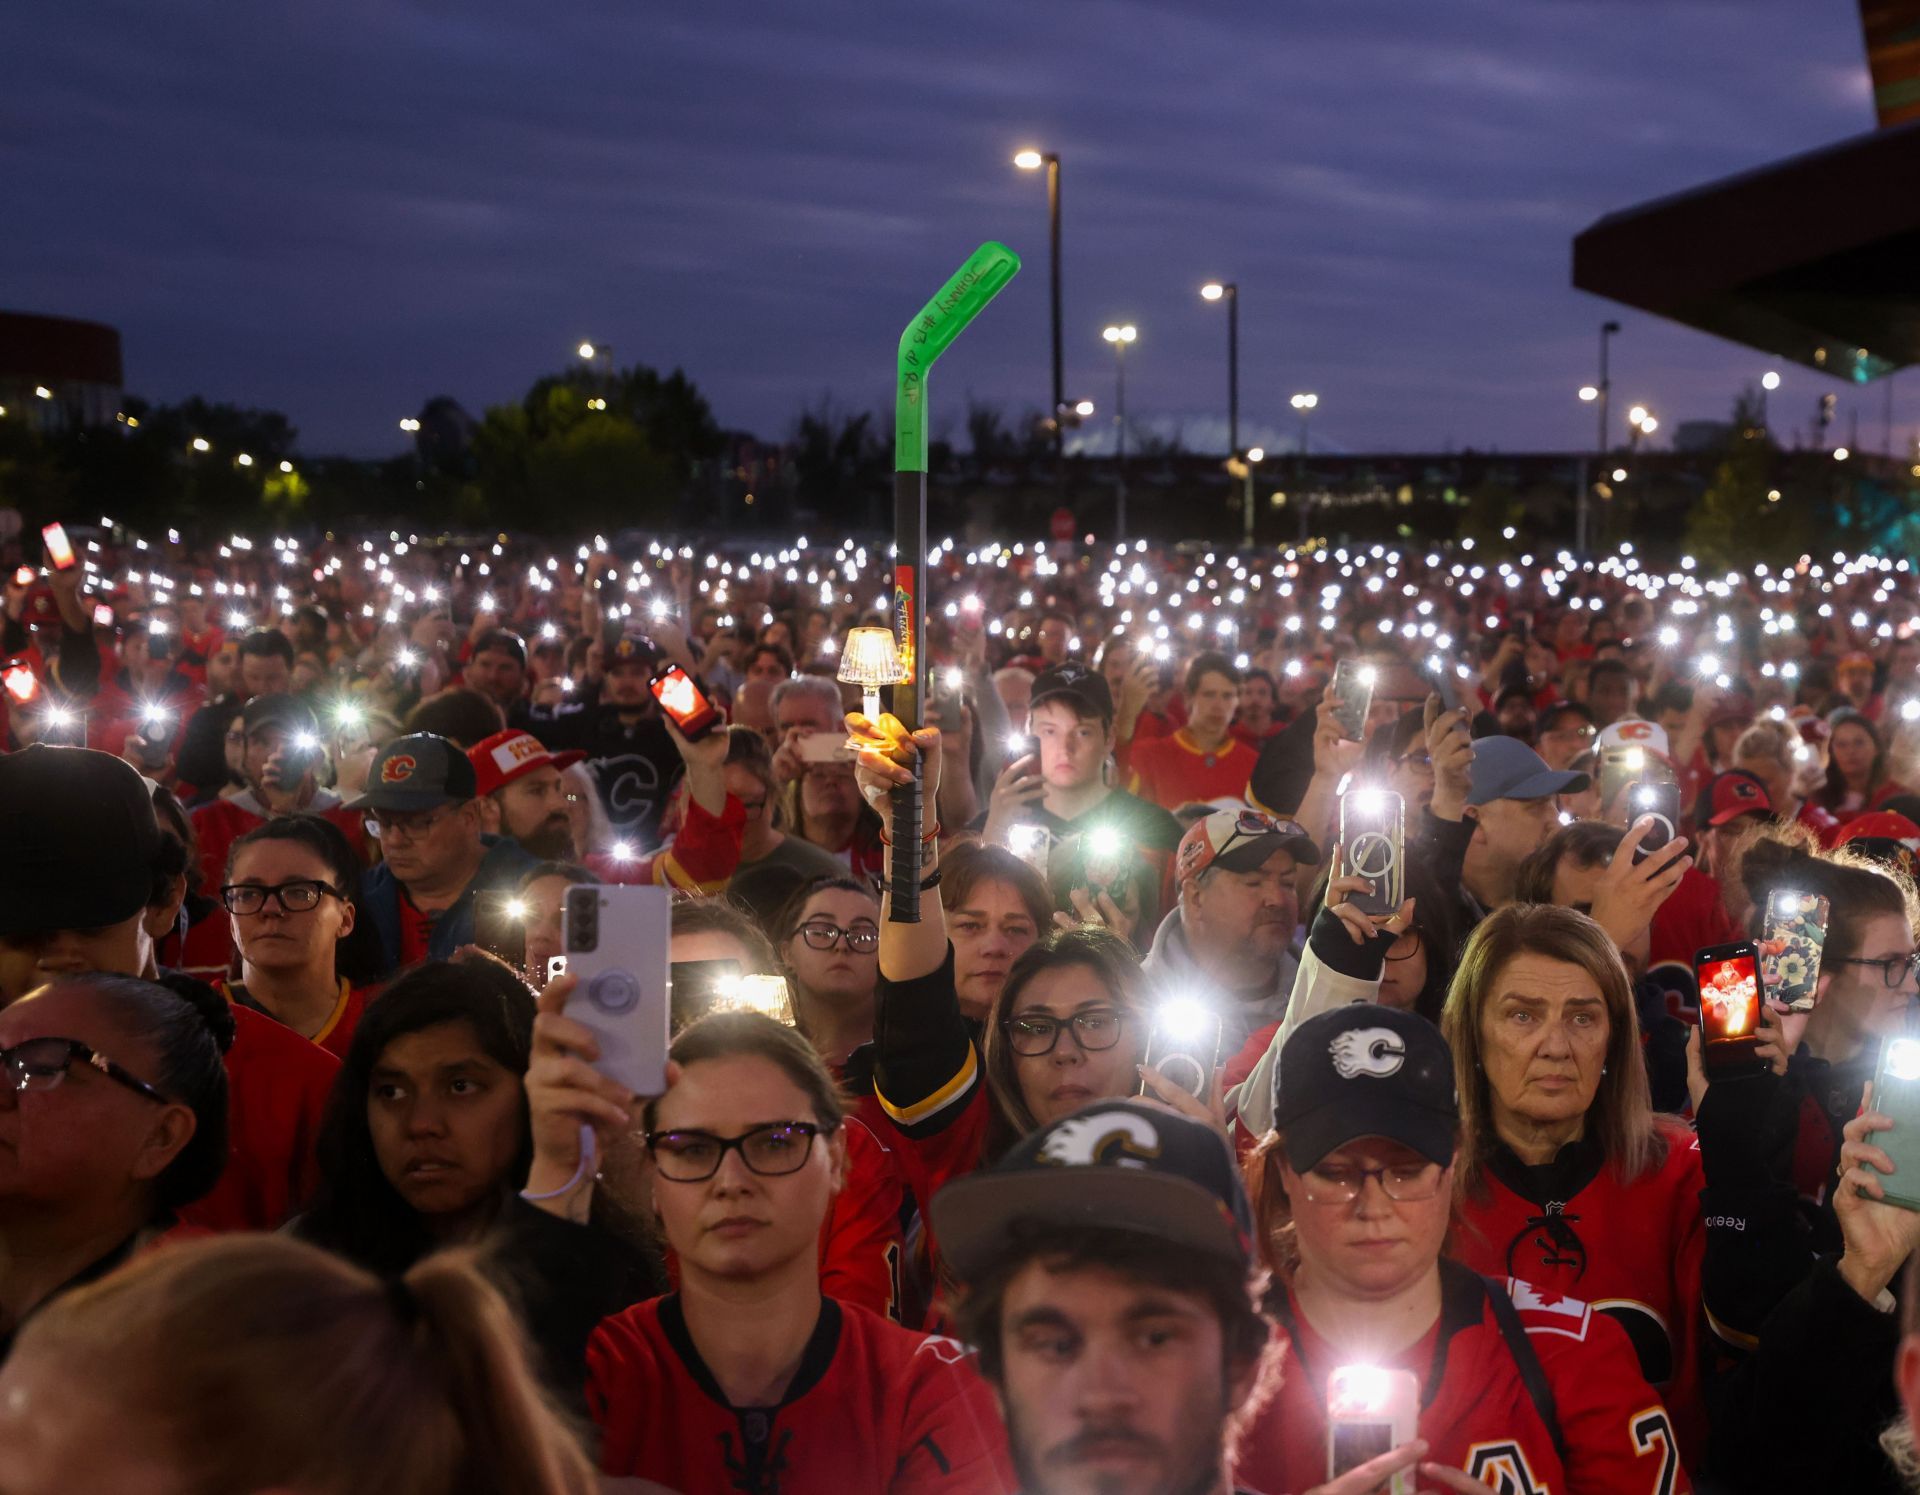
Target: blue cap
[(1506, 768)]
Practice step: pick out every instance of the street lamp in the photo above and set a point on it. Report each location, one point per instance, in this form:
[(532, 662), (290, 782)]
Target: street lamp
[(409, 423), (201, 444), (1120, 336), (1032, 160), (1215, 290), (1598, 396)]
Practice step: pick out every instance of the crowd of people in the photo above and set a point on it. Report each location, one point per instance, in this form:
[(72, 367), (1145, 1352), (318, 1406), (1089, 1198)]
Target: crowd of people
[(1294, 1080)]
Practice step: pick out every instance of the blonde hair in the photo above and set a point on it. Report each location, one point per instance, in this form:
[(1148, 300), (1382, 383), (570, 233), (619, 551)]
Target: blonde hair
[(1621, 1118), (261, 1361)]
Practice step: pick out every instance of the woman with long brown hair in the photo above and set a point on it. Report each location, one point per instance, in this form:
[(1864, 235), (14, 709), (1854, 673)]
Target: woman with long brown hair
[(1567, 1178), (251, 1362)]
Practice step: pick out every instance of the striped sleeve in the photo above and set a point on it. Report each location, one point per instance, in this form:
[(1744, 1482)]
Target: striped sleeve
[(926, 1066)]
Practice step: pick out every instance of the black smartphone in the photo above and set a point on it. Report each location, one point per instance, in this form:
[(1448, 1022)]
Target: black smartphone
[(683, 701), (1373, 845), (1352, 693), (1652, 797), (1728, 977)]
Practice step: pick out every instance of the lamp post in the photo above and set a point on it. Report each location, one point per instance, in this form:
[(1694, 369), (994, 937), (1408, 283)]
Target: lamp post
[(1597, 393), (1120, 337), (1254, 454), (1032, 160), (1769, 382), (1305, 404), (1216, 290)]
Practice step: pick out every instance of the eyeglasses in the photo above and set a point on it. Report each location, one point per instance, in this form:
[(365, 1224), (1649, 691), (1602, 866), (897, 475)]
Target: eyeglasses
[(862, 939), (42, 1063), (1033, 1035), (1250, 824), (1404, 1183), (1893, 970), (777, 1148), (295, 897), (383, 826)]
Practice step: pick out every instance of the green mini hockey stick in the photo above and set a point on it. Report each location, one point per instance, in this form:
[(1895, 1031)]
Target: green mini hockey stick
[(926, 337)]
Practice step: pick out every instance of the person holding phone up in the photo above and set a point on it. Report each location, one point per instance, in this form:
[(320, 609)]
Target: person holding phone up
[(1521, 1388)]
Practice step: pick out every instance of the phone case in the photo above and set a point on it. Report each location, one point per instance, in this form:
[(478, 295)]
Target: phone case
[(1619, 767), (681, 699), (1370, 1411), (1353, 699), (1896, 1093), (1796, 933), (1660, 800), (1373, 842), (1728, 977), (1186, 1052), (616, 943)]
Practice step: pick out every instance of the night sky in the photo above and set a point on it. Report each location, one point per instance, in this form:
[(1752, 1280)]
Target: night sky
[(342, 209)]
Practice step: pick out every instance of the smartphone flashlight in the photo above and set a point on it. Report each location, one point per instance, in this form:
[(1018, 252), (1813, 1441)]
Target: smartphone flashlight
[(1903, 1059), (1025, 840), (23, 577), (305, 742), (1566, 818), (1183, 1019), (1788, 903), (155, 716), (1910, 711), (406, 659), (1636, 758), (1368, 801), (516, 908), (954, 678), (1357, 1391), (1368, 674), (1707, 664)]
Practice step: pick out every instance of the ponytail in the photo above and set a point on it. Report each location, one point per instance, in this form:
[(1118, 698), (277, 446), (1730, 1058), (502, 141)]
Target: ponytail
[(463, 1326), (1786, 859), (248, 1362)]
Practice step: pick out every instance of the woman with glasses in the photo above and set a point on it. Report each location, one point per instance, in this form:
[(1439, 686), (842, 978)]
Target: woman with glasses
[(290, 891), (828, 936), (1353, 1199), (747, 1377), (113, 1116), (1567, 1178), (427, 1141)]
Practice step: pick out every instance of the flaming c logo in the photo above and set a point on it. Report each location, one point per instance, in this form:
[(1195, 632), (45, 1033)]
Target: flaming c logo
[(398, 769)]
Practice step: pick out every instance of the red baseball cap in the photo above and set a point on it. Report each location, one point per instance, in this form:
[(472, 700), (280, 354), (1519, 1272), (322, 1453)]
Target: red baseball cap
[(1883, 825), (510, 755), (1731, 795)]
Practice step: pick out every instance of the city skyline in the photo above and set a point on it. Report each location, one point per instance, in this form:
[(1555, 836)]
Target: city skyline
[(340, 213)]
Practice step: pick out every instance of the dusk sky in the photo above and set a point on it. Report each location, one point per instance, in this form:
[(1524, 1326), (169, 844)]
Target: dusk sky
[(340, 210)]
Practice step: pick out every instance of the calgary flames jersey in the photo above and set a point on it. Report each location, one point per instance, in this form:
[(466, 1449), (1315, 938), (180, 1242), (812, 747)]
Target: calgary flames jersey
[(1631, 1250), (1588, 1425), (873, 1407)]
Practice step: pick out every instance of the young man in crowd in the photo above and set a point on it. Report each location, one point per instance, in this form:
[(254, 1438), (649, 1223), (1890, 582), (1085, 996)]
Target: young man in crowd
[(633, 761), (1106, 1262), (1064, 791), (1257, 717), (1229, 937), (522, 794), (280, 762), (265, 668), (436, 859), (497, 668), (1202, 761)]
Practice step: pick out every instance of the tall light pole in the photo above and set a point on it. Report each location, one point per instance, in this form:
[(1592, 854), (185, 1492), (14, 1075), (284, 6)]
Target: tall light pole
[(1304, 403), (1769, 382), (1597, 393), (1120, 337), (1216, 290), (1032, 160), (1254, 455)]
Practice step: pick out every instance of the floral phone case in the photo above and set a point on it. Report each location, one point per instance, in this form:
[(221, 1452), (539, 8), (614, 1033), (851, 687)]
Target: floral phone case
[(1796, 932)]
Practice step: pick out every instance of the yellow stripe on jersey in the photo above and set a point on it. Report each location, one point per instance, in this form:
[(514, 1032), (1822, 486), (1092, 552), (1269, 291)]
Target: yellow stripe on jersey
[(955, 1089)]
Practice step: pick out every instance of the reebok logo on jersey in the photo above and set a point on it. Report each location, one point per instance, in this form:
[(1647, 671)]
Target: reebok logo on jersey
[(1378, 1052), (1118, 1138)]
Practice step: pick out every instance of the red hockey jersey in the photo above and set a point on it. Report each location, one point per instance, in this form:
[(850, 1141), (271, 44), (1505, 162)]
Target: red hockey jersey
[(874, 1408), (1608, 1431), (1633, 1251)]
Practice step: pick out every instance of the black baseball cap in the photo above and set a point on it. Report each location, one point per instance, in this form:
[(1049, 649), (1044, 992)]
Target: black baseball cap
[(288, 712), (421, 771), (80, 840), (1365, 1071), (1075, 682), (1113, 1165), (633, 648)]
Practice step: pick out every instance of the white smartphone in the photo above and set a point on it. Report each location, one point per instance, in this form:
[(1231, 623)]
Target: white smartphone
[(1370, 1411), (616, 941), (824, 747)]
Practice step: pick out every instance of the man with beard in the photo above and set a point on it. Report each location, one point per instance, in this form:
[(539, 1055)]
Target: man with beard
[(632, 758), (1106, 1262), (1232, 932), (522, 795)]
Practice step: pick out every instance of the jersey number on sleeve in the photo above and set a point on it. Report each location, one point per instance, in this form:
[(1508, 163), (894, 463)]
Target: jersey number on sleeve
[(1651, 1430)]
